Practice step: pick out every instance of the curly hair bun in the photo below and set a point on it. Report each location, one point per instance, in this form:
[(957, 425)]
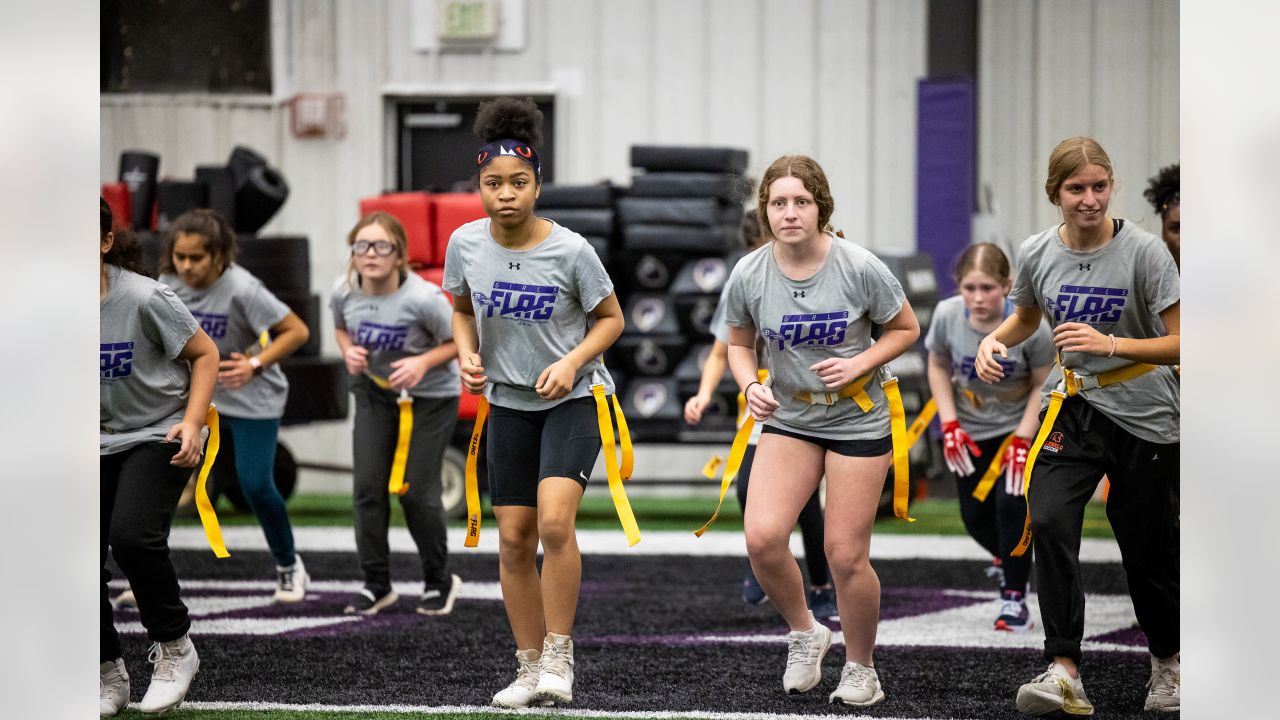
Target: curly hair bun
[(509, 117), (1163, 189)]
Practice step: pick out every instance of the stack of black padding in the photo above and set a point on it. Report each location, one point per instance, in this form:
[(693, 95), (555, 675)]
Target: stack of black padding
[(679, 220)]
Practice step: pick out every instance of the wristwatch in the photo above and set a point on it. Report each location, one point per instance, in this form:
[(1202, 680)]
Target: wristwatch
[(257, 365)]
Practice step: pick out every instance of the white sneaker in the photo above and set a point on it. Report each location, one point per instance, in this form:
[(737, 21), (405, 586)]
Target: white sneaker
[(1165, 685), (1054, 691), (519, 694), (113, 687), (555, 685), (859, 685), (176, 663), (805, 651), (291, 582)]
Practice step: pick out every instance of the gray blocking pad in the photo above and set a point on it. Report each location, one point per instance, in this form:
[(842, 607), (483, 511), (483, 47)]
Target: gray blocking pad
[(696, 159), (701, 276), (695, 313), (690, 369), (651, 355), (653, 271), (699, 212), (584, 221), (723, 186), (650, 314), (699, 240)]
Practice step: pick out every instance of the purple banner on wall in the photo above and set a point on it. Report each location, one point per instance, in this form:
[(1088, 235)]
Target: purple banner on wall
[(945, 173)]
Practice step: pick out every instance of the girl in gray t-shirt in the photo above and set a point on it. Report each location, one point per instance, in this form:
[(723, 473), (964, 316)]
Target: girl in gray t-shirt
[(394, 333), (1110, 292), (197, 260), (813, 296), (156, 374), (533, 311), (993, 423)]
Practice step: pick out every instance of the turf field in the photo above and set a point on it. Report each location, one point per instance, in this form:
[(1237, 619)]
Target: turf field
[(661, 631)]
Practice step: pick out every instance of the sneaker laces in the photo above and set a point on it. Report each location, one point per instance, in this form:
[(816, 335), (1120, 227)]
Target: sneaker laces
[(857, 676), (1011, 608), (1164, 679), (801, 646), (527, 673), (284, 579), (164, 657), (555, 660)]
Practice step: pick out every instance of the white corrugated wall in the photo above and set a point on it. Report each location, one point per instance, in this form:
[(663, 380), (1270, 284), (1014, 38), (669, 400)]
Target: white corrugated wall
[(1052, 69)]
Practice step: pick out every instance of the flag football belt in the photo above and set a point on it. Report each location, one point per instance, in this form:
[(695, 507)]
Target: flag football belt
[(618, 471), (922, 421), (855, 391), (396, 485), (1072, 384), (208, 518)]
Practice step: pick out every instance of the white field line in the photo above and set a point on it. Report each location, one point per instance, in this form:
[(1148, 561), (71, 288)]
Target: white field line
[(526, 712), (613, 542)]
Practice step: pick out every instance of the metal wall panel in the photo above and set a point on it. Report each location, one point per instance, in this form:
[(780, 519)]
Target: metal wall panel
[(1052, 69)]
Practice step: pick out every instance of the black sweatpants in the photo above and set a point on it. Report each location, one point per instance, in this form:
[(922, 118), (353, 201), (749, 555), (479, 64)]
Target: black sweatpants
[(139, 492), (810, 521), (1143, 508), (997, 522), (377, 428)]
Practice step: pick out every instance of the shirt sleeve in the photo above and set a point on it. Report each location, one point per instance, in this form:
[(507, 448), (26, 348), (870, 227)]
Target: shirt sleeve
[(719, 328), (1161, 285), (1023, 294), (167, 322), (737, 313), (884, 293), (455, 269), (337, 304), (594, 283), (436, 315), (262, 309)]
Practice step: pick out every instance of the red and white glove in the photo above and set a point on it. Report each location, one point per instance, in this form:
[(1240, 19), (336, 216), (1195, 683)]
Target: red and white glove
[(1015, 464), (957, 447)]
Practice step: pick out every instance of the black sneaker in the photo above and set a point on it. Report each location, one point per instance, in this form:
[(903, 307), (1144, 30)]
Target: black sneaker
[(822, 602), (370, 600), (439, 600), (752, 593)]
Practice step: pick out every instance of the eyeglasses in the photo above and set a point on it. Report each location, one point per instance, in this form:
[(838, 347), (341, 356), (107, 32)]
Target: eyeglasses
[(380, 247)]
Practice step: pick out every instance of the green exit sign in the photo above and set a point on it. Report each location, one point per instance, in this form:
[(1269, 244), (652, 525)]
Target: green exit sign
[(467, 20)]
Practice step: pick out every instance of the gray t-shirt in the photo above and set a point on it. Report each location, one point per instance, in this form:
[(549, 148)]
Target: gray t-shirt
[(993, 410), (532, 308), (142, 383), (1119, 289), (806, 321), (410, 321), (234, 311)]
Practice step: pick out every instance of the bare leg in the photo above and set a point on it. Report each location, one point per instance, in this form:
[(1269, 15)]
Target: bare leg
[(518, 572), (558, 500), (853, 490), (785, 473)]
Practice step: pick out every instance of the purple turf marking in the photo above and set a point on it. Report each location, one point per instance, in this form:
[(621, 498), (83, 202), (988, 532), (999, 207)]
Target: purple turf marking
[(896, 603), (1126, 636)]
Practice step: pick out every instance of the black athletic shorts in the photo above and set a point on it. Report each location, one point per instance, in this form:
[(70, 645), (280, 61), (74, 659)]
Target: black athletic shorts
[(848, 448), (526, 446)]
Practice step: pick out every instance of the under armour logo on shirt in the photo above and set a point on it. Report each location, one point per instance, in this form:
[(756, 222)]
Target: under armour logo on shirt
[(513, 266), (797, 293), (1086, 266)]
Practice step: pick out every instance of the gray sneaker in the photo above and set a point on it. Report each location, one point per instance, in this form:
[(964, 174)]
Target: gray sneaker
[(1054, 691), (291, 582), (1165, 686), (113, 687), (859, 685), (805, 651)]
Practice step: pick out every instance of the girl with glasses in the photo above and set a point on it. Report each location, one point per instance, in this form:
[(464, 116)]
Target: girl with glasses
[(393, 329)]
